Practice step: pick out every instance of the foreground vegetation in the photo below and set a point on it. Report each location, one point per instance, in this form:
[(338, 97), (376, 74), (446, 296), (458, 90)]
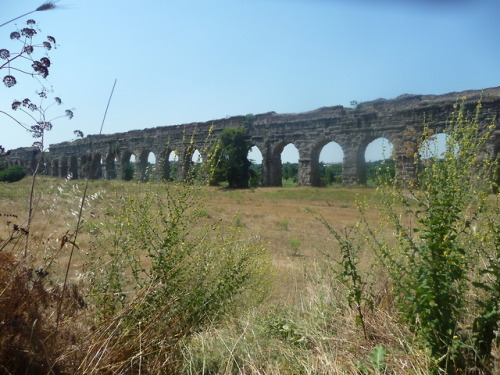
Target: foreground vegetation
[(100, 277), (289, 315), (151, 295)]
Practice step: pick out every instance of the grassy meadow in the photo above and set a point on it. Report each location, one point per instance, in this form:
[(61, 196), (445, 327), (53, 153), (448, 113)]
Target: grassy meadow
[(294, 315)]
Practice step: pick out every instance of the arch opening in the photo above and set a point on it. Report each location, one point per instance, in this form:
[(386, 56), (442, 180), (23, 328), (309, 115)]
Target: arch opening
[(55, 168), (145, 166), (433, 147), (255, 157), (110, 166), (73, 167), (331, 160), (378, 161), (64, 167), (173, 163), (289, 164), (128, 166), (196, 157), (96, 167), (163, 165)]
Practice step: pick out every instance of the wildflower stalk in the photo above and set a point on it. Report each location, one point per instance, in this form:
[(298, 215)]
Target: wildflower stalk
[(48, 5), (79, 221)]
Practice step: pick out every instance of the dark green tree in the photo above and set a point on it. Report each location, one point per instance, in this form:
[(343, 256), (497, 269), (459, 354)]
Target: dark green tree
[(12, 174), (128, 171), (230, 159)]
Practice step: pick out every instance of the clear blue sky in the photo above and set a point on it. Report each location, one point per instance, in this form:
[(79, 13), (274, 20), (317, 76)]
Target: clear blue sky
[(181, 61)]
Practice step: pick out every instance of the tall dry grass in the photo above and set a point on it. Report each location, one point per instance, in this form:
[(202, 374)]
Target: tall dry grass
[(304, 325)]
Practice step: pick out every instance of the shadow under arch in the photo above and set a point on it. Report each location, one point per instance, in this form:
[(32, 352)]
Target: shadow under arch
[(73, 167), (127, 165), (55, 168), (96, 167)]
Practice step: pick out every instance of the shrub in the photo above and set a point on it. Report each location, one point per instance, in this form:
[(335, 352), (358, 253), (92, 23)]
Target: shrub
[(230, 159), (12, 174), (160, 275), (31, 342), (444, 246), (438, 242), (128, 171)]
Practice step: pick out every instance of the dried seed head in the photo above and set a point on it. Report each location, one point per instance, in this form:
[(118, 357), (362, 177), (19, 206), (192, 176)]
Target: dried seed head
[(28, 32), (9, 81), (45, 61), (49, 5), (4, 54), (40, 68)]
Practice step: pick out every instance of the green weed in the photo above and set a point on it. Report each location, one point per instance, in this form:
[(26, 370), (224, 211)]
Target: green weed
[(169, 275), (433, 261)]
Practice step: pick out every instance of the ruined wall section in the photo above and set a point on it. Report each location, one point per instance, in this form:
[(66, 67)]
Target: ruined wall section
[(400, 120)]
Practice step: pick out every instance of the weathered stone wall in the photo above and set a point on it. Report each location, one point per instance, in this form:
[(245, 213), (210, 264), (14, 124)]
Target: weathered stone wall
[(25, 156), (400, 120)]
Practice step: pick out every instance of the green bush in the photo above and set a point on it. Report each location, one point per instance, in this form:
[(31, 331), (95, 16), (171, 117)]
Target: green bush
[(12, 174), (439, 243), (128, 171), (161, 274), (444, 246), (230, 159)]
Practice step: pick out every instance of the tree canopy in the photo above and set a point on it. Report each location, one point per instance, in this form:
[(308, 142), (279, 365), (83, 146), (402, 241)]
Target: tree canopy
[(230, 158)]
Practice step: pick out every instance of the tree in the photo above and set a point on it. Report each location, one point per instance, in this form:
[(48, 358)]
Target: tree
[(230, 158), (12, 174)]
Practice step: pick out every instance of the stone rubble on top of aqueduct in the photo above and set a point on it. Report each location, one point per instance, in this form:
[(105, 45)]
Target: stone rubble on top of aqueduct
[(400, 121)]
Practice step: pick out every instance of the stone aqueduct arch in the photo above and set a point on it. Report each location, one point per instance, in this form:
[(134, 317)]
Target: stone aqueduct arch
[(400, 120)]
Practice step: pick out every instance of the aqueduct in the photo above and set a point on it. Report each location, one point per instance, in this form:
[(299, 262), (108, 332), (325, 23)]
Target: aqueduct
[(400, 120)]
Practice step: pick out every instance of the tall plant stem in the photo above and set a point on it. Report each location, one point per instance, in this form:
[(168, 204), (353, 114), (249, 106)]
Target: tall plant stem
[(79, 221), (45, 6), (30, 207)]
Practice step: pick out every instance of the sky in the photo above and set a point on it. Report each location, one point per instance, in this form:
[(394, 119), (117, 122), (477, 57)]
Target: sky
[(183, 61)]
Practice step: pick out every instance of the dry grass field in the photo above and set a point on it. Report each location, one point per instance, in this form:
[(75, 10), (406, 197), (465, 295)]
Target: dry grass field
[(281, 218), (302, 324)]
